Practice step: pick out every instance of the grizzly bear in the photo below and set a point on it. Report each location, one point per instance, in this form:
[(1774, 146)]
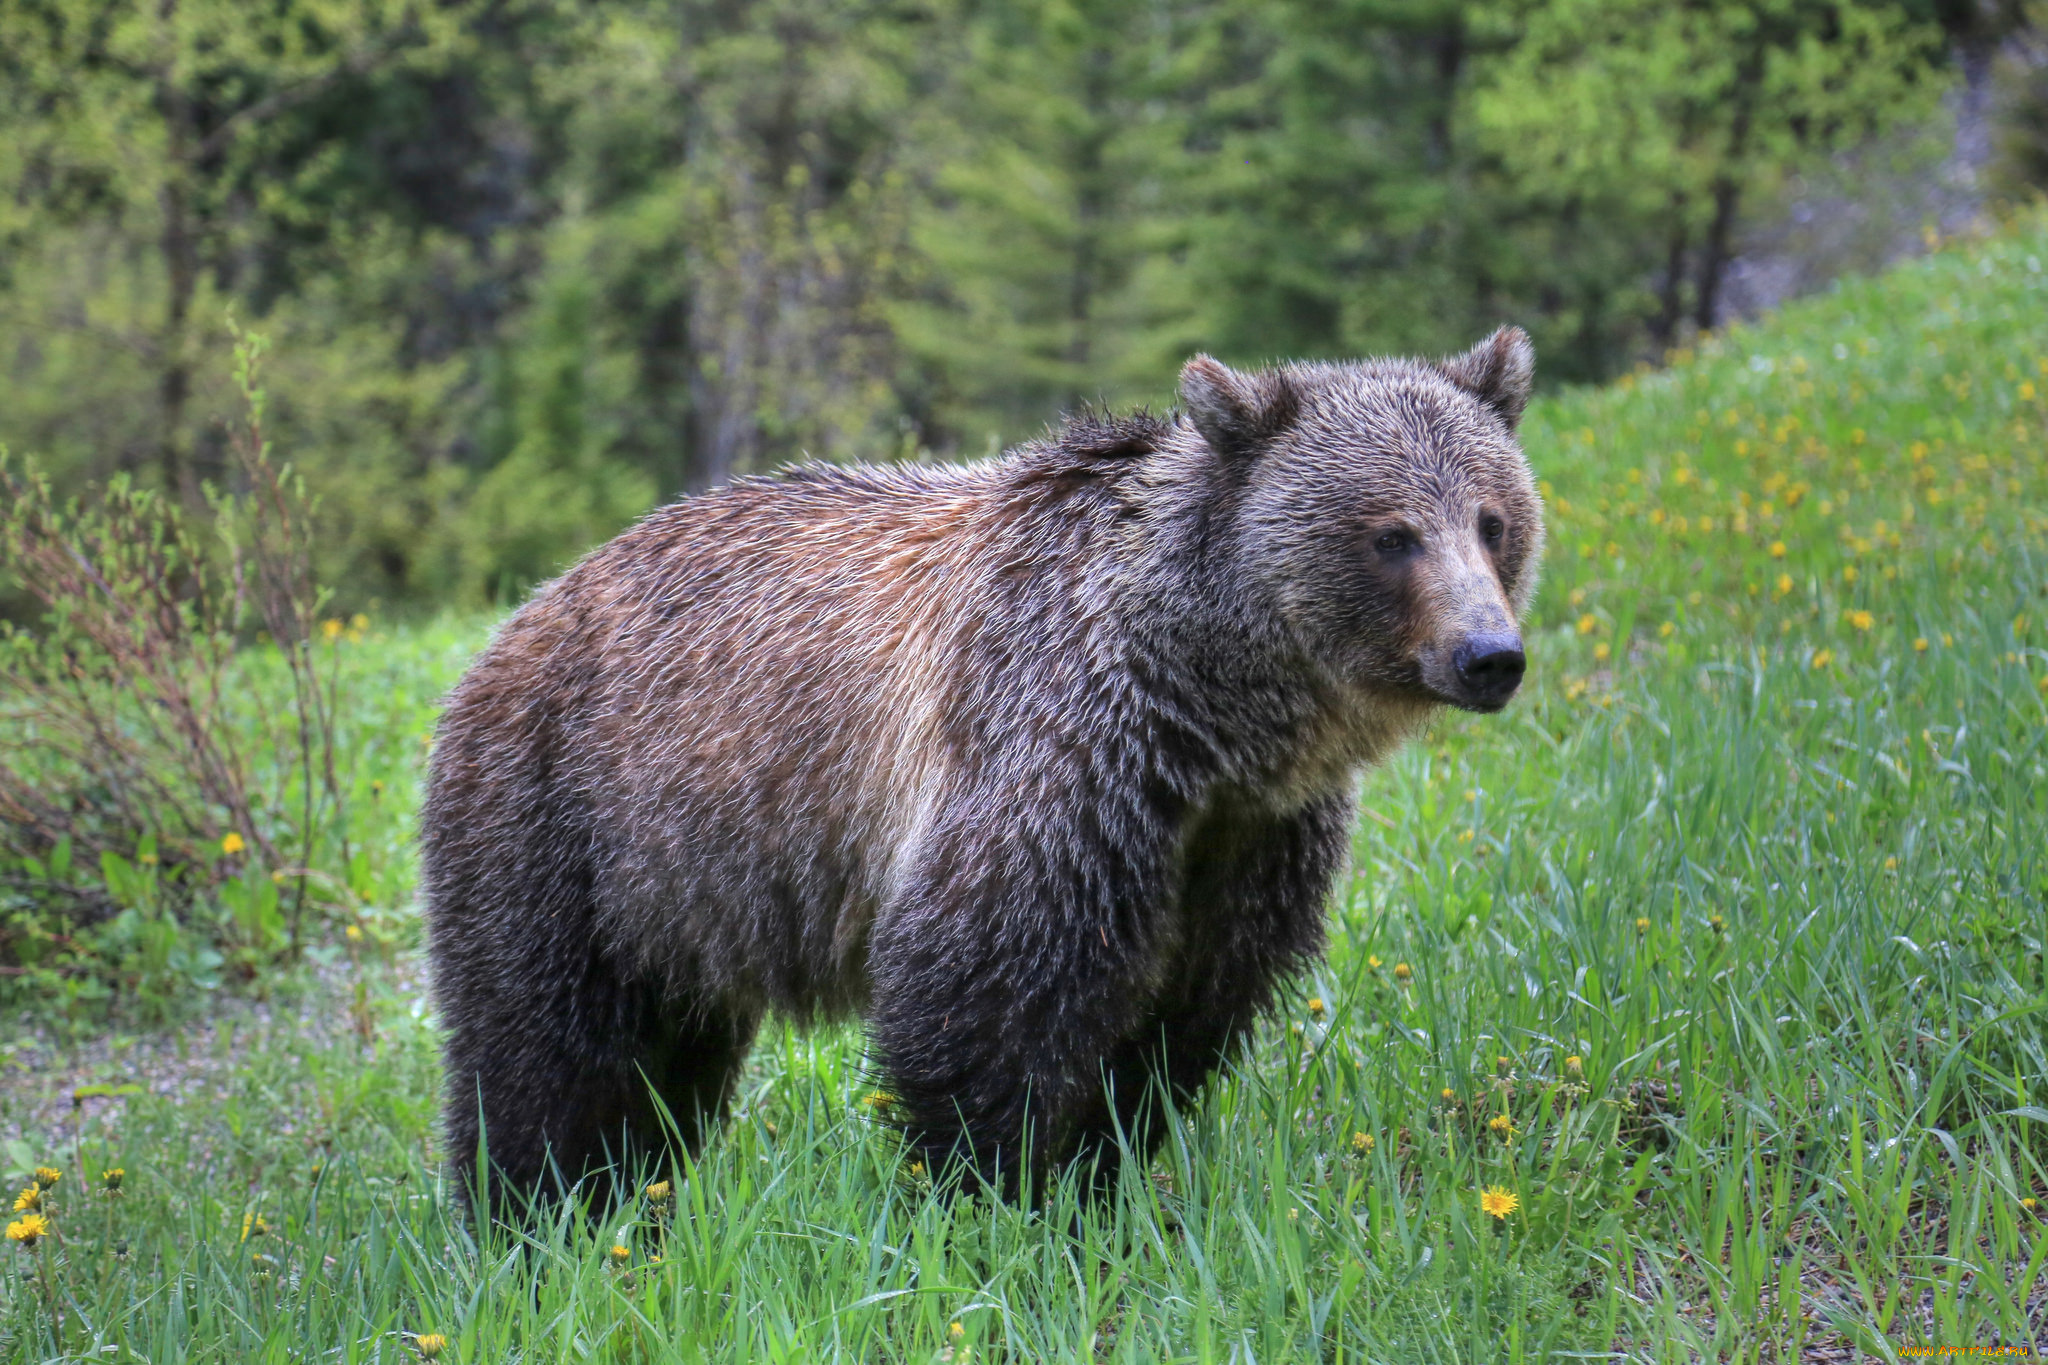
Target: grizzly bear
[(1043, 766)]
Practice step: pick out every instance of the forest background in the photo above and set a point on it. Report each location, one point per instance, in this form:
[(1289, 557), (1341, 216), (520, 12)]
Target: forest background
[(529, 267)]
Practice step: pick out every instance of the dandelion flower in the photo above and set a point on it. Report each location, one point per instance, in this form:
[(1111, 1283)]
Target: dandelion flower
[(1575, 1065), (111, 1178), (1497, 1201), (232, 844), (1784, 584), (1642, 924), (29, 1200), (253, 1226), (956, 1331), (1502, 1125), (620, 1254), (660, 1192), (1821, 658), (1777, 549), (330, 627), (1447, 1095), (1919, 644), (2030, 1205), (1403, 972), (880, 1099), (1586, 624), (1362, 1143), (47, 1176), (27, 1230), (1601, 652), (1862, 620), (1667, 630), (430, 1345), (353, 933), (1372, 960), (916, 1169), (1316, 1009)]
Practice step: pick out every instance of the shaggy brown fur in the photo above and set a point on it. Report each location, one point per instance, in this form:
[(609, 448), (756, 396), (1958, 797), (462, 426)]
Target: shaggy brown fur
[(1044, 766)]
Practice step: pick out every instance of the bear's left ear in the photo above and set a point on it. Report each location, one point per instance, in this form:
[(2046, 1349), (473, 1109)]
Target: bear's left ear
[(1498, 372), (1237, 414)]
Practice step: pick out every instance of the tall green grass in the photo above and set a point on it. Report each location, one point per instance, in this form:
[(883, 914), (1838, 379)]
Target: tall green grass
[(1721, 953)]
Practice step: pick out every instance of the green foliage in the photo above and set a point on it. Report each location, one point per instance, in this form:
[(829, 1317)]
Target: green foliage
[(172, 723), (532, 266), (1737, 918), (1664, 120)]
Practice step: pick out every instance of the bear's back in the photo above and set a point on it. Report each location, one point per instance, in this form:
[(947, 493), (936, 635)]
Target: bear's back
[(758, 694)]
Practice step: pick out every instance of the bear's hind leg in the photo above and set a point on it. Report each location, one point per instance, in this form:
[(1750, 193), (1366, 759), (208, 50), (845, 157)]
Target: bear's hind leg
[(686, 1071), (561, 1079)]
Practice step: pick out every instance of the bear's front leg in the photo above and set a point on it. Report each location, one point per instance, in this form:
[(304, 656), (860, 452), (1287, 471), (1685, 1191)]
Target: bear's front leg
[(1012, 965)]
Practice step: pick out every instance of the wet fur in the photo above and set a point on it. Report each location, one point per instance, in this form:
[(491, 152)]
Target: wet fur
[(1043, 766)]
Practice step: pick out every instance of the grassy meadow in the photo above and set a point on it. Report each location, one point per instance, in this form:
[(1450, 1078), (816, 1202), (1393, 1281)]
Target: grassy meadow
[(1719, 954)]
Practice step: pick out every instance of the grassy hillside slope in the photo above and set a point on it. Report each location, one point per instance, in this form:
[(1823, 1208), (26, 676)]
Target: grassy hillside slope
[(1720, 953)]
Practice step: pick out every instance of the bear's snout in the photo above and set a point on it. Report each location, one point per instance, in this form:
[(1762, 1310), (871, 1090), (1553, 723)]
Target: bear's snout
[(1488, 669)]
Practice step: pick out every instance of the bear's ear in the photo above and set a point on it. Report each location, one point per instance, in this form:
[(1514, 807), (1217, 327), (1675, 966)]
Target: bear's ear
[(1237, 414), (1498, 372)]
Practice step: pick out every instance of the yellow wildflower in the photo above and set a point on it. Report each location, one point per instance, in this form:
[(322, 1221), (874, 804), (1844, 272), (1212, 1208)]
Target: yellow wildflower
[(27, 1230), (232, 844), (353, 933), (1784, 584), (1575, 1065), (1502, 1125), (1497, 1201), (430, 1345), (1919, 644), (1403, 972), (1362, 1143), (660, 1192), (1777, 549), (330, 627), (880, 1099), (1601, 651), (1821, 658), (29, 1200), (1586, 623), (1862, 620), (1372, 960), (620, 1254), (1716, 923), (47, 1176), (2031, 1205), (1315, 1007), (253, 1226), (1642, 924), (1666, 630), (1447, 1095), (111, 1178), (956, 1331), (359, 622)]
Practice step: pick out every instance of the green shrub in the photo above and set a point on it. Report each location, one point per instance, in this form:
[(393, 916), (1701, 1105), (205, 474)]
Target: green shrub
[(168, 772)]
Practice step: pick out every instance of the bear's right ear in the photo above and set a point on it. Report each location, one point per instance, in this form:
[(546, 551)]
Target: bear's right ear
[(1237, 414)]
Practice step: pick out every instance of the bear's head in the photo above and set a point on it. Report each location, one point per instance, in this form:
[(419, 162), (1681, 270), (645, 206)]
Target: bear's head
[(1387, 508)]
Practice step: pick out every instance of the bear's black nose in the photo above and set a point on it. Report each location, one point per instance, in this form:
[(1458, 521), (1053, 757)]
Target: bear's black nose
[(1489, 667)]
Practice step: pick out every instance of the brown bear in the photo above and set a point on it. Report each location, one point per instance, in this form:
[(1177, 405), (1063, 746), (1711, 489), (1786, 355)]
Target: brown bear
[(1044, 766)]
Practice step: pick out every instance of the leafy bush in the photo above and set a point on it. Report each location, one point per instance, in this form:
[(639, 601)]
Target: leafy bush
[(168, 738)]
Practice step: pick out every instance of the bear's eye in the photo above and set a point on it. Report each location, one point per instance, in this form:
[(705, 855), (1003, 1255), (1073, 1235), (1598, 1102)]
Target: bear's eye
[(1492, 528), (1391, 542)]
